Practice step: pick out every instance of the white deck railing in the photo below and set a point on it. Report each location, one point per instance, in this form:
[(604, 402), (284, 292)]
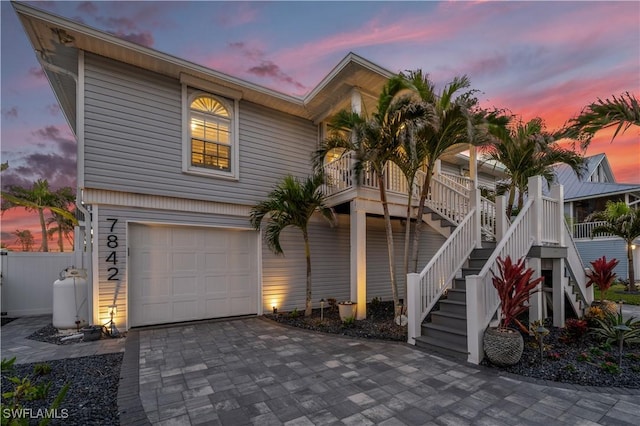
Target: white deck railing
[(426, 288), (461, 183), (551, 227), (340, 176), (583, 230), (576, 266)]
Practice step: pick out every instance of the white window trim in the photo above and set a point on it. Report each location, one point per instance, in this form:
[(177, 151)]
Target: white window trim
[(233, 108)]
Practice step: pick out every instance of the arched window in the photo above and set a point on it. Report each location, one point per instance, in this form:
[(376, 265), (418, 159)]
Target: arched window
[(210, 133)]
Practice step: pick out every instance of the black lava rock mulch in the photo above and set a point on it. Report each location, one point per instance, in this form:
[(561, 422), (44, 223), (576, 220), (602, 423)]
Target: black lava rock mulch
[(92, 395), (378, 325), (6, 320), (586, 362)]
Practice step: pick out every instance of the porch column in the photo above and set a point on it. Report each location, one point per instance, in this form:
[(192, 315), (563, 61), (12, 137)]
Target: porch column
[(473, 165), (535, 192), (359, 258), (558, 279)]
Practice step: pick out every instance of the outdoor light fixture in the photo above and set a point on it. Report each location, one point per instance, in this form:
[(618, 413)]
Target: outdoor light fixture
[(322, 309), (113, 310), (541, 331), (275, 310)]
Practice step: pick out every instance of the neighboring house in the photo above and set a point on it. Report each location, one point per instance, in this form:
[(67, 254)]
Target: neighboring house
[(590, 193), (172, 155)]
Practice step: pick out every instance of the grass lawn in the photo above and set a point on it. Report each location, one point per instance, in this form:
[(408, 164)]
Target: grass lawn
[(616, 292)]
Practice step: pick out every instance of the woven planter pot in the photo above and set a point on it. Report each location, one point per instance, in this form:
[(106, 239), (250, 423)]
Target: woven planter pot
[(503, 346)]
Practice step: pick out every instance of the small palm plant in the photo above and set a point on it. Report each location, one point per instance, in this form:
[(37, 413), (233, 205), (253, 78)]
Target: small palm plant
[(514, 286), (614, 328), (293, 203), (602, 275)]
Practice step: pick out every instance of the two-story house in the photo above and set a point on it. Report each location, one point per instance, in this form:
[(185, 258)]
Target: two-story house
[(172, 155)]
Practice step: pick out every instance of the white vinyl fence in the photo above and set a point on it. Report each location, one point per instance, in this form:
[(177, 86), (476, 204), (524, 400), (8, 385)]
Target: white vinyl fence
[(27, 281)]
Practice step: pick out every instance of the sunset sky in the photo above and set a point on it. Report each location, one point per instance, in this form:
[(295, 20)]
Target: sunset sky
[(546, 59)]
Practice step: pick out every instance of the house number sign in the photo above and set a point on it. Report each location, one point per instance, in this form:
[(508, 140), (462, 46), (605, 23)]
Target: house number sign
[(112, 258)]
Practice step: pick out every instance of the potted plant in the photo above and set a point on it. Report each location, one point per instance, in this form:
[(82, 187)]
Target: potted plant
[(504, 345), (602, 275), (347, 309)]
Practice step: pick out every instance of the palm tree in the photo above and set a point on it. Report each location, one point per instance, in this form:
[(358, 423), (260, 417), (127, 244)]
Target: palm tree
[(25, 239), (39, 198), (453, 123), (64, 226), (621, 221), (292, 203), (622, 112), (373, 140), (526, 150)]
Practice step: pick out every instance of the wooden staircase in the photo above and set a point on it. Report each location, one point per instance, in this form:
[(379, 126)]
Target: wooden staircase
[(445, 330)]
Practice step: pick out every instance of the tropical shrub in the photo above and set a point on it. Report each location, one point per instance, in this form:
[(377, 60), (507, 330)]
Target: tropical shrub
[(614, 328), (514, 286), (574, 330), (602, 274)]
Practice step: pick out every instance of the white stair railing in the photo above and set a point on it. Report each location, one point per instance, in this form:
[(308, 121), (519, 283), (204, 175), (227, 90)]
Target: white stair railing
[(460, 183), (482, 297), (426, 288), (447, 201), (575, 266)]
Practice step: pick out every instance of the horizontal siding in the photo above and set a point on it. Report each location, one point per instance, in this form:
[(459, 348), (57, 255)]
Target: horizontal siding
[(591, 250), (284, 277), (106, 288), (378, 276), (133, 139)]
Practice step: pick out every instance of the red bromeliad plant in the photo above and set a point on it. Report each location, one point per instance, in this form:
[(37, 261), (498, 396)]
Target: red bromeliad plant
[(514, 285), (602, 274)]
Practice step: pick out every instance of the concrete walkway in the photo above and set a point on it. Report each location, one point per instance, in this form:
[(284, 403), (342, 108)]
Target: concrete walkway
[(14, 343), (254, 371)]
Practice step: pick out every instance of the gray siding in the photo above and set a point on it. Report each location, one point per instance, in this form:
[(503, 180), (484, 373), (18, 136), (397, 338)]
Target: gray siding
[(109, 289), (591, 250), (284, 277), (133, 139), (378, 276)]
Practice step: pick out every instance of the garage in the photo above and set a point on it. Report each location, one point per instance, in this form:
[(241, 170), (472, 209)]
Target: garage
[(184, 273)]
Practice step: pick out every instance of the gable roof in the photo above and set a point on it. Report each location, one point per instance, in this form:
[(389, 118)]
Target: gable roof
[(57, 41), (576, 188)]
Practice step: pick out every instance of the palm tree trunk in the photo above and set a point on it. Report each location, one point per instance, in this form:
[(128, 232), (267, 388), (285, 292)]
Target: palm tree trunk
[(407, 243), (307, 252), (390, 245), (512, 198), (632, 277), (418, 227), (60, 240), (45, 243)]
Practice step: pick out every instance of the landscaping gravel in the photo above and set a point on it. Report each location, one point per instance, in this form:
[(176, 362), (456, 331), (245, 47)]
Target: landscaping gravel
[(92, 395), (586, 362)]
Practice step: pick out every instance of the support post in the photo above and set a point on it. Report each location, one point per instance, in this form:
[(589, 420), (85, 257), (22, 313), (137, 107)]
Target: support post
[(501, 217), (535, 299), (359, 259), (414, 308), (558, 292), (477, 226), (475, 325), (535, 192)]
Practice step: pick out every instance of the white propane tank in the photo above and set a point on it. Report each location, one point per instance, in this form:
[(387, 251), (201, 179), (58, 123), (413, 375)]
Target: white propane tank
[(70, 299)]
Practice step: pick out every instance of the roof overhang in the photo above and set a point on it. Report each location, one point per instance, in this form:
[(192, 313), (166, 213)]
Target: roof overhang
[(58, 40)]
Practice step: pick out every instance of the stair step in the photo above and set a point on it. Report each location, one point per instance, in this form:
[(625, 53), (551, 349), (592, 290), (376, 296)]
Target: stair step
[(470, 271), (489, 245), (453, 306), (429, 345), (481, 253), (449, 319), (460, 284), (476, 263), (459, 295), (446, 334)]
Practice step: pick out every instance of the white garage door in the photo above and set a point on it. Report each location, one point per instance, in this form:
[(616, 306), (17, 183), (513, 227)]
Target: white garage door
[(179, 273)]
